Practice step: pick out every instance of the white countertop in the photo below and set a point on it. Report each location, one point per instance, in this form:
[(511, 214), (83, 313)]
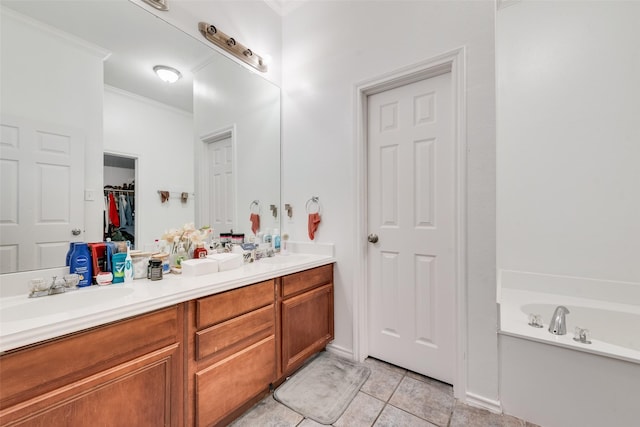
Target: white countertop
[(25, 320)]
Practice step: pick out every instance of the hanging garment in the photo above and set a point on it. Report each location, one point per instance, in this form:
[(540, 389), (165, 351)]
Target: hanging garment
[(105, 214), (129, 210), (122, 205), (113, 211)]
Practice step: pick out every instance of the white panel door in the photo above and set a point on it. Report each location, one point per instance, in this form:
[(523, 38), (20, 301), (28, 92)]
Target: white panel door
[(42, 172), (411, 209), (221, 191)]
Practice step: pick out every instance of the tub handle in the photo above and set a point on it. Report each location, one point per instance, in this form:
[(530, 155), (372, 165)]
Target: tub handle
[(582, 335), (535, 320)]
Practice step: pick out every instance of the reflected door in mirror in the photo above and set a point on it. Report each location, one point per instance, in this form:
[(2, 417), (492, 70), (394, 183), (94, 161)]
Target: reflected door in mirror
[(42, 193), (220, 177)]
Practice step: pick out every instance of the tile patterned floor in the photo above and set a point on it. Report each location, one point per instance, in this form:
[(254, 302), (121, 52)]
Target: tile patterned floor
[(391, 396)]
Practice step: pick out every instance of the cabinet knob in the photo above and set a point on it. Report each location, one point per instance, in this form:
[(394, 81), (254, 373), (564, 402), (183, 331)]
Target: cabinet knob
[(76, 231)]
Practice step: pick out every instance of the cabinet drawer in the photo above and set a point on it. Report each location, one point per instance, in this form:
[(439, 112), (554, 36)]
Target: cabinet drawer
[(300, 282), (228, 384), (224, 306), (235, 334)]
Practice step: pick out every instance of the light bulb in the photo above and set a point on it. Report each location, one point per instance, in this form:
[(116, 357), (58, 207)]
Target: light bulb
[(167, 74)]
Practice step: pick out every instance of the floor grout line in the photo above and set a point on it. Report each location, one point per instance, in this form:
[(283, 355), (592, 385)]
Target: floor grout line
[(462, 408)]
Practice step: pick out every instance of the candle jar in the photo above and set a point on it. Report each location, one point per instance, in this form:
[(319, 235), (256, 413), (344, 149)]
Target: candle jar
[(154, 269)]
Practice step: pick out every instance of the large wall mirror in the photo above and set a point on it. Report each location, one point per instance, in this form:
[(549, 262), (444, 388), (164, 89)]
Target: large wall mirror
[(77, 83)]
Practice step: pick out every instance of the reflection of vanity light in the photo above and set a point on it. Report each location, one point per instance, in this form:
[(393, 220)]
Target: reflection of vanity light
[(158, 4), (231, 45), (167, 74)]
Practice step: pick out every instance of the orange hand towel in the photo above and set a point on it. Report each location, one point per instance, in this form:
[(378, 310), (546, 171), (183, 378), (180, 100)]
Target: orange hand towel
[(314, 220), (255, 222)]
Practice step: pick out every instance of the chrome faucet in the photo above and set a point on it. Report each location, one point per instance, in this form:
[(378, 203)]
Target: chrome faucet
[(57, 286), (558, 323)]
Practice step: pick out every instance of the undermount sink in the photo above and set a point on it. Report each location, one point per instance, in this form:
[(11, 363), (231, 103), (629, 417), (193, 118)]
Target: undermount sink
[(285, 259), (28, 308)]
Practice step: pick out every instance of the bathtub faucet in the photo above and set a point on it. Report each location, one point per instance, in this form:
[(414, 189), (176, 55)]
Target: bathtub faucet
[(558, 323)]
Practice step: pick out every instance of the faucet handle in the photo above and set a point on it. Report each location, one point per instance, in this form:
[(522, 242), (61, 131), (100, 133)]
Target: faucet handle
[(582, 335), (535, 320)]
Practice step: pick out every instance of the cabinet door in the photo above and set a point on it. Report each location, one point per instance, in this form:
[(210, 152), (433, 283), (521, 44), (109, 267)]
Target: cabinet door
[(307, 325), (142, 392)]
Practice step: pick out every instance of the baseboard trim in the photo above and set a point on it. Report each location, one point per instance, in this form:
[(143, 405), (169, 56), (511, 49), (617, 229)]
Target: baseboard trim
[(478, 401), (340, 351)]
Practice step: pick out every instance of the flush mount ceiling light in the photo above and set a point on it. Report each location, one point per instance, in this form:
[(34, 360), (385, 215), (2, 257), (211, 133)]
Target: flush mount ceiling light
[(230, 44), (167, 74)]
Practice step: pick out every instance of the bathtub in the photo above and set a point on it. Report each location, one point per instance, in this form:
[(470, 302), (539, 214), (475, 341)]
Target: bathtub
[(555, 381), (614, 328)]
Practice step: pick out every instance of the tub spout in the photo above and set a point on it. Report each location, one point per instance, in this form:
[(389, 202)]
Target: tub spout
[(558, 323)]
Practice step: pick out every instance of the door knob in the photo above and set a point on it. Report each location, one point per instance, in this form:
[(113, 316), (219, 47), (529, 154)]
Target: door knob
[(372, 238), (76, 231)]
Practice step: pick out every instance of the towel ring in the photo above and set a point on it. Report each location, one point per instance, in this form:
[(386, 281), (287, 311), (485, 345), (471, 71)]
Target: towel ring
[(255, 205), (313, 205)]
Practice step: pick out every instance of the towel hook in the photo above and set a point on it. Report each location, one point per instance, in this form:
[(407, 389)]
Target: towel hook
[(255, 204), (313, 205), (289, 209)]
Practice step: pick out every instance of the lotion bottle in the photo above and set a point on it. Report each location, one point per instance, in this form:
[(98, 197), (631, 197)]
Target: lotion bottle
[(266, 238), (128, 266), (80, 264), (275, 239)]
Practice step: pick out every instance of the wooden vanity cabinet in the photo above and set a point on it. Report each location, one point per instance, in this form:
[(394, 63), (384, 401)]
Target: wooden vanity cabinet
[(227, 349), (232, 352), (125, 373), (306, 312)]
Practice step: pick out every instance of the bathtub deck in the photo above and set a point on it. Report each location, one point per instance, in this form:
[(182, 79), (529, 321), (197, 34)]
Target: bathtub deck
[(514, 322)]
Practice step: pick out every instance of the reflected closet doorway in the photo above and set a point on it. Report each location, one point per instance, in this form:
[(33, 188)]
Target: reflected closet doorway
[(120, 177)]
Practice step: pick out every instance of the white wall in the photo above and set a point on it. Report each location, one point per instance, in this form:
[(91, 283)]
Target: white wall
[(51, 77), (161, 138), (328, 48), (117, 176), (568, 147)]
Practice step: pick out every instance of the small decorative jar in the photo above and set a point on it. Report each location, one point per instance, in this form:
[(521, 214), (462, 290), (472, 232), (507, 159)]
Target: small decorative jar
[(154, 270), (200, 251)]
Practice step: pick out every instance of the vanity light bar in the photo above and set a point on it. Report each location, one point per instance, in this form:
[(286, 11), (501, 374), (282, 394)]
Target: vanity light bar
[(158, 4), (229, 44)]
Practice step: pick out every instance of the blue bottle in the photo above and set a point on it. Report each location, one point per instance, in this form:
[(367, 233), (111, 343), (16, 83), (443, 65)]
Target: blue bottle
[(72, 246), (111, 250), (80, 263)]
